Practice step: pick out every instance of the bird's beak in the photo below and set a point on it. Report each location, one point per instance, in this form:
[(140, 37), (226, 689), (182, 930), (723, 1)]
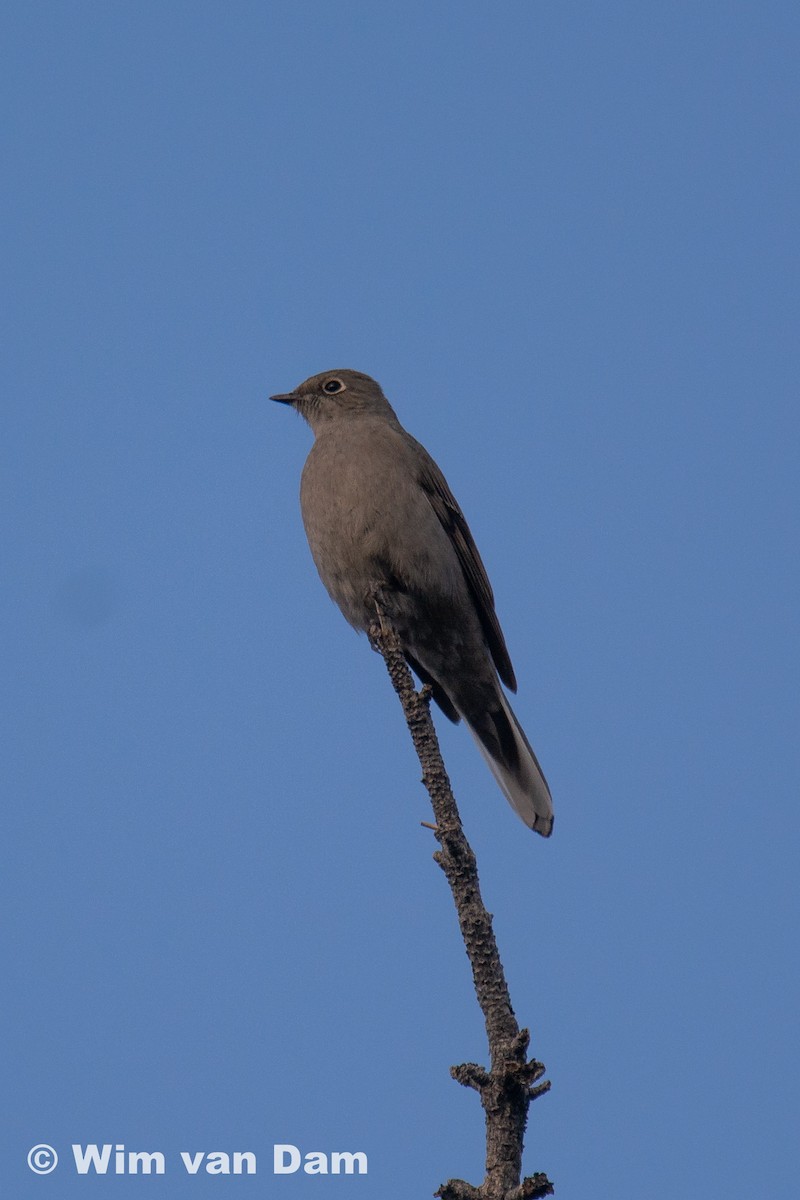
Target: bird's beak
[(285, 398)]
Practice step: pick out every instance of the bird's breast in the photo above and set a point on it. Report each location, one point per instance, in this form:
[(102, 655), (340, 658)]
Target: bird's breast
[(369, 522)]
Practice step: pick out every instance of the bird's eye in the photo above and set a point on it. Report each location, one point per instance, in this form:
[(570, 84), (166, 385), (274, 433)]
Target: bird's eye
[(332, 386)]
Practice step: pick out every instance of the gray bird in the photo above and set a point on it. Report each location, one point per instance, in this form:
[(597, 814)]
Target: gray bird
[(380, 519)]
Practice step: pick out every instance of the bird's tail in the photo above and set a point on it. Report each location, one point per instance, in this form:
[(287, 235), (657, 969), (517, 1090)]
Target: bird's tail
[(508, 752)]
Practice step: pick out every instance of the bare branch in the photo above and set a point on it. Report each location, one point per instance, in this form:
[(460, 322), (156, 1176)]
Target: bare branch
[(506, 1089)]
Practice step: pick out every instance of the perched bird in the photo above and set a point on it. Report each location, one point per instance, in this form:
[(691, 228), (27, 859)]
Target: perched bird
[(380, 519)]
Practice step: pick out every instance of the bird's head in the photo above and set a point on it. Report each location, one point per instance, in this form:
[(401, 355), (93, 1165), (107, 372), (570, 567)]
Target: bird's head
[(334, 396)]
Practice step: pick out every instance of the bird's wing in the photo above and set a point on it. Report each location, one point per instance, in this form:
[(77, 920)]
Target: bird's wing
[(455, 525)]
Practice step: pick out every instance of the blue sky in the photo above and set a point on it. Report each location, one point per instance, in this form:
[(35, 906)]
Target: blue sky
[(563, 237)]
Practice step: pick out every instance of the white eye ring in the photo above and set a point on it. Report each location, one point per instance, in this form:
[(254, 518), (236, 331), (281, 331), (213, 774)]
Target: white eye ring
[(332, 386)]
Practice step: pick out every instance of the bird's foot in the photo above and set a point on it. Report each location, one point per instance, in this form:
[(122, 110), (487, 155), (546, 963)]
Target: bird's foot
[(377, 630)]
